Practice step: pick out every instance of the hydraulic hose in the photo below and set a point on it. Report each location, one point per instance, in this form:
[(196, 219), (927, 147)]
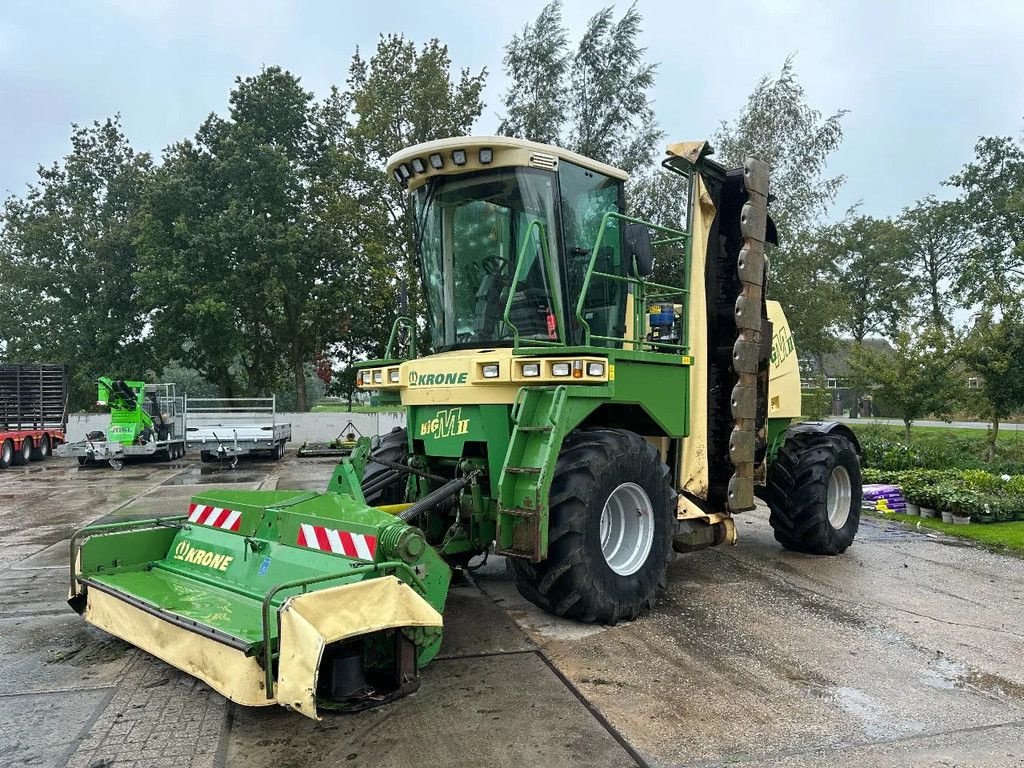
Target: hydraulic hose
[(433, 498)]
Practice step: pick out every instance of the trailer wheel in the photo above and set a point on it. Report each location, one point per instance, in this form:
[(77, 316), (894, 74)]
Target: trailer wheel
[(610, 529), (393, 447), (814, 494), (6, 453), (279, 451), (206, 457), (43, 450), (82, 460), (24, 455)]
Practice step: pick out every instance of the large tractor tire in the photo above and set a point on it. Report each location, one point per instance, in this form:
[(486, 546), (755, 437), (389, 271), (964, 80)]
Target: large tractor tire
[(610, 530), (393, 447), (814, 494)]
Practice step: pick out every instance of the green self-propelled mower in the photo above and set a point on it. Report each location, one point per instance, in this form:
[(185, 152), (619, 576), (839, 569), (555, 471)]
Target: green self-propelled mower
[(594, 399)]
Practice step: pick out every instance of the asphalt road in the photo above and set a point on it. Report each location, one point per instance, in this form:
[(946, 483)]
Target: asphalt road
[(906, 651), (1009, 427)]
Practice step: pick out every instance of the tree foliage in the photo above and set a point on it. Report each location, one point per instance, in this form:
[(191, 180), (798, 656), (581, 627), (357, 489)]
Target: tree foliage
[(917, 379), (992, 190), (592, 99), (935, 236), (875, 285), (67, 260), (995, 352), (778, 125)]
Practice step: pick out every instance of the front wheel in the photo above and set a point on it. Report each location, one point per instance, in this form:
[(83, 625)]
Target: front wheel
[(814, 494), (609, 531)]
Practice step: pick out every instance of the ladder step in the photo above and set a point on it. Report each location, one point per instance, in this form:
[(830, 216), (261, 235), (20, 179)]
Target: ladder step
[(534, 429), (523, 470)]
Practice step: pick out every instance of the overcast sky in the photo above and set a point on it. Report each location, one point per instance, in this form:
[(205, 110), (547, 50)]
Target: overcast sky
[(921, 80)]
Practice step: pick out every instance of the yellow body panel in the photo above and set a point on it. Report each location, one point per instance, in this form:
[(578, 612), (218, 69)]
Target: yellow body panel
[(457, 377), (693, 458), (228, 671), (311, 621), (784, 371)]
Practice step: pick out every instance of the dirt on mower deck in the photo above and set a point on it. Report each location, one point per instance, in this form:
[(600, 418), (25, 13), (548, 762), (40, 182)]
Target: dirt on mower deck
[(905, 651)]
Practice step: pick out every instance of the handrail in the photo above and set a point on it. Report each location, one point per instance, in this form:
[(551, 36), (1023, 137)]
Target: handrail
[(409, 323), (554, 292), (674, 236)]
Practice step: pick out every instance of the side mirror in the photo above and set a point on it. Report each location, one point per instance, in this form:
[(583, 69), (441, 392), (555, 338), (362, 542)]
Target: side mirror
[(636, 239)]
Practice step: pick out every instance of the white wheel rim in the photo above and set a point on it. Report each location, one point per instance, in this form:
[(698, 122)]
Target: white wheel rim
[(627, 529), (840, 494), (8, 452)]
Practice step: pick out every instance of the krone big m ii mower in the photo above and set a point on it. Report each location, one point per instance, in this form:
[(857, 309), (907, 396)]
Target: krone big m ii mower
[(599, 391)]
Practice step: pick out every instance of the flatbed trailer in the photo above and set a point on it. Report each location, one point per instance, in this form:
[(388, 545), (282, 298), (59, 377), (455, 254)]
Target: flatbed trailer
[(33, 411), (165, 442), (226, 428)]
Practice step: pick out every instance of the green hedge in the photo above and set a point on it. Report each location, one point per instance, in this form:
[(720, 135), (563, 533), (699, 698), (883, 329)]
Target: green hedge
[(884, 448), (986, 497)]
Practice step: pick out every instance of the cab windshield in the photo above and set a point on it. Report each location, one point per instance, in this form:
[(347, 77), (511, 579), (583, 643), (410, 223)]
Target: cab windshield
[(470, 231)]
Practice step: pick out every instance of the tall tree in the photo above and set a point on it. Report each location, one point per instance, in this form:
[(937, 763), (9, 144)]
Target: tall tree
[(537, 62), (875, 284), (778, 125), (917, 379), (67, 262), (248, 240), (936, 236), (402, 96), (992, 186), (995, 351), (594, 98)]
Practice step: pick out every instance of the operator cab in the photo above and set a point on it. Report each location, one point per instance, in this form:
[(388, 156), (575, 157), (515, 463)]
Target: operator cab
[(505, 232)]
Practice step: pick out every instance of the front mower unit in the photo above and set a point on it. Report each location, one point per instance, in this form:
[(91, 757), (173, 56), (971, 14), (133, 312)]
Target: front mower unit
[(312, 601)]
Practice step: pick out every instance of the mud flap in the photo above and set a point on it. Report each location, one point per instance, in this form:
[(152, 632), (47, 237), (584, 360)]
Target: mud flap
[(312, 621)]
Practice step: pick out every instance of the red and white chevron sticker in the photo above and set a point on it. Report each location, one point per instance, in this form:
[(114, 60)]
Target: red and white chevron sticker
[(215, 517), (357, 545)]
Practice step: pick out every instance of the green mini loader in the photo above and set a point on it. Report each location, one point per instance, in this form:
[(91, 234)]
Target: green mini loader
[(599, 392)]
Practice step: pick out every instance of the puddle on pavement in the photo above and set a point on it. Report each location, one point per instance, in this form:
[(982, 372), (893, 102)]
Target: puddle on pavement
[(198, 476), (949, 674), (875, 720)]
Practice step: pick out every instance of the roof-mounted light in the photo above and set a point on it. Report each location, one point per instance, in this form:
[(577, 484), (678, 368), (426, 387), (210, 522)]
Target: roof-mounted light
[(418, 166), (436, 161), (398, 178), (404, 170), (459, 157), (486, 155)]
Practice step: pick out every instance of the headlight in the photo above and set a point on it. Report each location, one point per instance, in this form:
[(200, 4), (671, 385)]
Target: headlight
[(595, 369), (560, 369), (490, 371), (393, 376), (366, 378), (436, 161), (486, 155), (378, 377), (459, 157), (531, 369)]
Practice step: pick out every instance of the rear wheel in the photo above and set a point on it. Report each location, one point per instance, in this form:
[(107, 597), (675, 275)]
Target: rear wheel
[(206, 457), (392, 447), (610, 530), (6, 453), (24, 455), (814, 493)]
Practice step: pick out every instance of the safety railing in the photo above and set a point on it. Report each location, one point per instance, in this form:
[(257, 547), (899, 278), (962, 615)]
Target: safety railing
[(401, 322), (554, 292), (644, 291)]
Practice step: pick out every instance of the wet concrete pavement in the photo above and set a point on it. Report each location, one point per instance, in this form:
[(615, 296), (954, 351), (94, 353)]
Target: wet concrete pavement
[(906, 651)]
